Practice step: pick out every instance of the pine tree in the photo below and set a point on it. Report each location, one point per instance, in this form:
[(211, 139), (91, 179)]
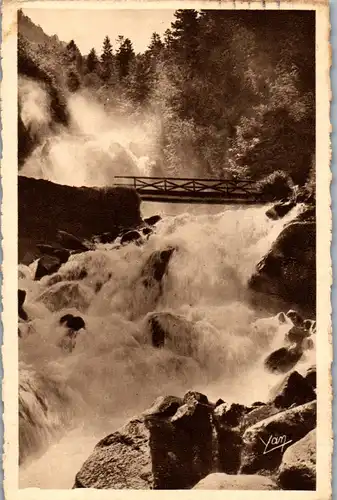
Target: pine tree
[(74, 56), (156, 45), (107, 59), (124, 56), (92, 61)]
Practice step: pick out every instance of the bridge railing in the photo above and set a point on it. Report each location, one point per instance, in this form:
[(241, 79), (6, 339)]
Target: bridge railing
[(172, 185)]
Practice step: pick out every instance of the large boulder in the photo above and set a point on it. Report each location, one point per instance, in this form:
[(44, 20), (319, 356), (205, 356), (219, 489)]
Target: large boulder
[(284, 359), (168, 447), (73, 322), (151, 221), (121, 460), (181, 446), (265, 442), (163, 407), (79, 211), (289, 269), (294, 389), (156, 266), (257, 414), (47, 264), (310, 376), (280, 209), (172, 331), (298, 467), (71, 242), (221, 481), (61, 253), (66, 294), (108, 236)]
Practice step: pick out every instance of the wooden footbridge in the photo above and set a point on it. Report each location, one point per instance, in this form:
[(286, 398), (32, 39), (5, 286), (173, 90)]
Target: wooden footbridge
[(189, 190)]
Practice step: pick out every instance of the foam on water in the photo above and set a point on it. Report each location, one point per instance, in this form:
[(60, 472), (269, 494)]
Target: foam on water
[(218, 341)]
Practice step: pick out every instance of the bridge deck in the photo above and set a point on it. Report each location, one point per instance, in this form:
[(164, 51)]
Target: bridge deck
[(191, 190)]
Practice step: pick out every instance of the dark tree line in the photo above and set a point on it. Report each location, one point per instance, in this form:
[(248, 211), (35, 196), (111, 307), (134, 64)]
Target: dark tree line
[(234, 91)]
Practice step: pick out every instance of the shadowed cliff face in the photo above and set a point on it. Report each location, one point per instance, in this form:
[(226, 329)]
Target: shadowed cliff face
[(45, 207)]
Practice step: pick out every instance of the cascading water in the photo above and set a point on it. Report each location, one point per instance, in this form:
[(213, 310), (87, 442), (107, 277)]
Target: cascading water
[(218, 342), (217, 339)]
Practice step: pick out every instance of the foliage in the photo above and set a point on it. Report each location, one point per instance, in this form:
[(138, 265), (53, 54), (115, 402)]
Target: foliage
[(107, 60), (276, 186), (233, 93)]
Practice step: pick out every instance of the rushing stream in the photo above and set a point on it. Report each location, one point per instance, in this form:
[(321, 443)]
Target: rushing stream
[(218, 338), (114, 371)]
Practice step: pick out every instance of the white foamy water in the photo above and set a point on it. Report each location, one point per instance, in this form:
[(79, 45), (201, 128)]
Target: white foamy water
[(217, 340)]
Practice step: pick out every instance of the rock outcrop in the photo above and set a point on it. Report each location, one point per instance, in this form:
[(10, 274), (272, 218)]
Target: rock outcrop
[(294, 389), (66, 294), (80, 211), (189, 442), (47, 264), (152, 221), (298, 467), (169, 447), (121, 460), (275, 433), (288, 270), (280, 209)]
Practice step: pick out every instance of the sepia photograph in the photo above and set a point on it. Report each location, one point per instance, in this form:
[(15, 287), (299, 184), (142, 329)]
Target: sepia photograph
[(166, 248)]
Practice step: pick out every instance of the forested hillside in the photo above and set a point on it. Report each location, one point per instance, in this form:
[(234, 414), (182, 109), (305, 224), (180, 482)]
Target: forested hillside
[(233, 91)]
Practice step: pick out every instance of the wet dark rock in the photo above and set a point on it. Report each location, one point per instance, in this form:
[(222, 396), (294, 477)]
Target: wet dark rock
[(310, 377), (156, 266), (221, 481), (294, 389), (284, 359), (21, 299), (147, 231), (298, 467), (173, 331), (61, 253), (258, 403), (47, 265), (310, 325), (227, 418), (284, 428), (158, 333), (71, 242), (108, 237), (151, 221), (307, 215), (280, 209), (219, 402), (164, 407), (229, 449), (281, 318), (256, 415), (80, 211), (288, 271), (66, 295), (131, 236), (297, 334), (72, 322), (192, 397), (230, 415), (295, 317)]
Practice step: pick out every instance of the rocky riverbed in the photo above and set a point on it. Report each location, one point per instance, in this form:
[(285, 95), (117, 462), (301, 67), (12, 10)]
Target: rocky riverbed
[(165, 301)]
